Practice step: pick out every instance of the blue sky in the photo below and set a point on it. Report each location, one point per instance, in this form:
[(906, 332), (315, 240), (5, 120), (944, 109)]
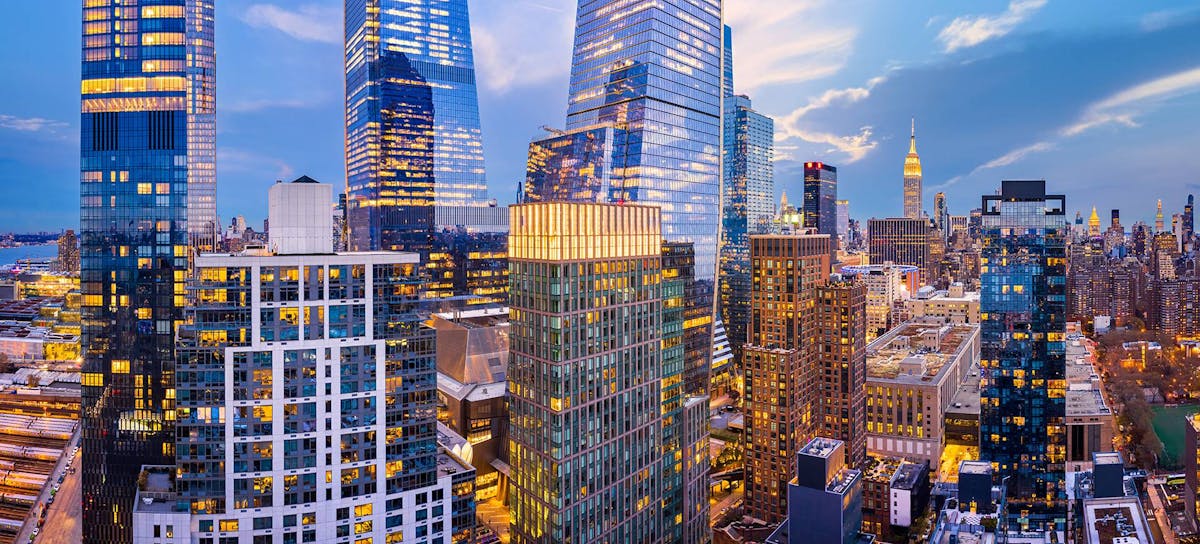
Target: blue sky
[(1102, 99)]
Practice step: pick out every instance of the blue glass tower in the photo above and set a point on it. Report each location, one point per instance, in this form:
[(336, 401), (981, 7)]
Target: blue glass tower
[(655, 71), (147, 174), (413, 139), (1023, 301)]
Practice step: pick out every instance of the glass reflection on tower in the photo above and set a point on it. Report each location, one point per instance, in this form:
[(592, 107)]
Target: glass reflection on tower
[(413, 138), (1023, 304), (147, 173)]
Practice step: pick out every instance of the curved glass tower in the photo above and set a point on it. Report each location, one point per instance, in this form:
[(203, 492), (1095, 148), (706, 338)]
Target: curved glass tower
[(413, 138), (147, 174)]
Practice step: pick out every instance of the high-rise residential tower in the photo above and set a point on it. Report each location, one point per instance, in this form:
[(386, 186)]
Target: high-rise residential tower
[(913, 192), (781, 365), (1158, 218), (147, 182), (306, 388), (591, 385), (1189, 220), (654, 77), (1023, 296), (841, 322), (820, 197)]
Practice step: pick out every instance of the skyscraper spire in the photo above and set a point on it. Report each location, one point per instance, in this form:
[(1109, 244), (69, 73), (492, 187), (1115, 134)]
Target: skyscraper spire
[(912, 178), (1094, 223), (1158, 218)]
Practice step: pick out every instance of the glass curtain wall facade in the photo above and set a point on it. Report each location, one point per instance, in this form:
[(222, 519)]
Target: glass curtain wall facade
[(586, 387), (654, 69), (820, 198), (413, 138), (146, 157), (748, 189), (1023, 308)]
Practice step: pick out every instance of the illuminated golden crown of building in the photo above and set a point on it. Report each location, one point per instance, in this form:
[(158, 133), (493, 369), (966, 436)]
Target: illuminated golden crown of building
[(912, 161)]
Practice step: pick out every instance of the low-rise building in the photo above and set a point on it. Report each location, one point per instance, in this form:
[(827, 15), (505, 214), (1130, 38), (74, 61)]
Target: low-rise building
[(954, 305), (895, 492), (1091, 423), (824, 500), (913, 373)]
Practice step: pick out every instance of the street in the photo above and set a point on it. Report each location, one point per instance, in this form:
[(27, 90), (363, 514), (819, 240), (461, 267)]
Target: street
[(64, 522)]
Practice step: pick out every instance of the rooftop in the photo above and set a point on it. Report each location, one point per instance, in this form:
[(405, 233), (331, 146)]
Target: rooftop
[(966, 398), (917, 352), (1108, 458), (975, 467), (1115, 521), (820, 447), (908, 476)]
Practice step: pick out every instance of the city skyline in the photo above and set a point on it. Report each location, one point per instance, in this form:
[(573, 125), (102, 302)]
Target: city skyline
[(1081, 117)]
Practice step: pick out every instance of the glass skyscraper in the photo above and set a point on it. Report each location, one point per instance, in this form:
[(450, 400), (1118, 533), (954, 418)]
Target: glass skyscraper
[(413, 138), (748, 189), (1023, 304), (147, 174), (820, 198), (655, 71)]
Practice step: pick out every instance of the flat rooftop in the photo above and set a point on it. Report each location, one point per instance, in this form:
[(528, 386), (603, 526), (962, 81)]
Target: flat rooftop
[(881, 469), (975, 467), (908, 476), (1115, 521), (966, 398), (1108, 458), (820, 447), (917, 352)]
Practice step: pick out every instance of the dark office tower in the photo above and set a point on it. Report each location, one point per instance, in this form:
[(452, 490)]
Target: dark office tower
[(748, 189), (146, 157), (587, 362), (780, 364), (902, 241), (941, 214), (1116, 219), (1022, 431), (912, 178), (414, 151), (841, 313), (820, 198), (1189, 218)]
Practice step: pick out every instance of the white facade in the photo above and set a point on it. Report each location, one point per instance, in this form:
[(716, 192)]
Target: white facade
[(316, 412), (301, 218), (901, 510)]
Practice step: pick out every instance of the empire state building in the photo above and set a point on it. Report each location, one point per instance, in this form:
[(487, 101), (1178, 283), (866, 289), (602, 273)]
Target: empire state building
[(912, 178)]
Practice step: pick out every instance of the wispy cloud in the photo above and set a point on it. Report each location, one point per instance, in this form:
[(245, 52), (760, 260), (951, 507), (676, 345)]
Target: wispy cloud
[(511, 53), (308, 22), (1123, 107), (769, 50), (971, 30), (855, 146), (1120, 109), (30, 124)]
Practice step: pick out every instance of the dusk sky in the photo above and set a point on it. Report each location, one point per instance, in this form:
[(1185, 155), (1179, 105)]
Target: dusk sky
[(1102, 99)]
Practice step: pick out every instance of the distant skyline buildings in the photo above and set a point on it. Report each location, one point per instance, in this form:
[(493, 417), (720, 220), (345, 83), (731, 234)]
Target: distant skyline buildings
[(147, 194)]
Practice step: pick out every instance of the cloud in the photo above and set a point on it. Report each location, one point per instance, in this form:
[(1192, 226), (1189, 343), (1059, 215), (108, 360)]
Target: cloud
[(30, 124), (308, 22), (969, 31), (769, 50), (1123, 107), (511, 53), (855, 146)]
